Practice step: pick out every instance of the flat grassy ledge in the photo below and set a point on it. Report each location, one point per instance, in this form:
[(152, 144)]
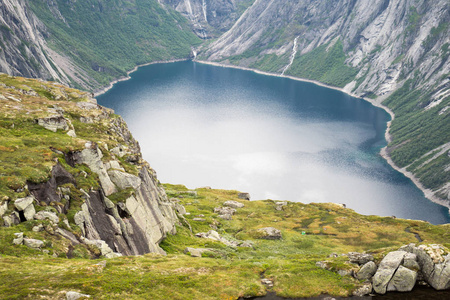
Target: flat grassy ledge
[(310, 233)]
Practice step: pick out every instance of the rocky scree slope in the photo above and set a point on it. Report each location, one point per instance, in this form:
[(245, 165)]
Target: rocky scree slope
[(88, 44), (391, 52), (72, 171)]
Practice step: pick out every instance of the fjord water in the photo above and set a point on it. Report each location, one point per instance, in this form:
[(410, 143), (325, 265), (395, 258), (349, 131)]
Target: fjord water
[(273, 137)]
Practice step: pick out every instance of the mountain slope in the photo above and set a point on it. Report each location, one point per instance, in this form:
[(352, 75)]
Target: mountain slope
[(393, 52), (89, 43)]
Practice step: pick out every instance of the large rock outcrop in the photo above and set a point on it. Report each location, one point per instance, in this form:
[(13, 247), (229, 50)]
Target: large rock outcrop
[(108, 200)]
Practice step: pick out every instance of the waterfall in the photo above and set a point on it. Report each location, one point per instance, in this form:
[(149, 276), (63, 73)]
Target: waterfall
[(294, 52), (204, 10)]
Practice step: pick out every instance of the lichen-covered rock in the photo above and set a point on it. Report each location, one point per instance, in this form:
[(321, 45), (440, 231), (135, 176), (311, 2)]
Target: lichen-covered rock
[(42, 215), (22, 203), (124, 180), (233, 204), (29, 212), (75, 295), (359, 258), (270, 233), (244, 196), (434, 264), (386, 270), (196, 252), (19, 238), (403, 280), (53, 123), (92, 157), (33, 243), (367, 271)]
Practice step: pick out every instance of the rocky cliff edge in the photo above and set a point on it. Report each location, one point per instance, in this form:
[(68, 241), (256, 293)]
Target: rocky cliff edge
[(70, 168)]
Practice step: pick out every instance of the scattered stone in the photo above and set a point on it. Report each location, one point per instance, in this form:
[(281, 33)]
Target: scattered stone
[(87, 105), (200, 216), (38, 228), (29, 212), (233, 204), (345, 272), (42, 215), (366, 289), (359, 258), (86, 120), (3, 207), (19, 238), (322, 265), (33, 243), (367, 271), (226, 217), (75, 295), (270, 233), (403, 280), (23, 203), (246, 244), (72, 133), (267, 282), (279, 205), (244, 196), (198, 219), (214, 235), (225, 210), (53, 123), (196, 252)]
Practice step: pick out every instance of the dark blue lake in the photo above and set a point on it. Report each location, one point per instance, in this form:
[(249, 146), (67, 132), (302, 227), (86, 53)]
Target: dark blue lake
[(273, 137)]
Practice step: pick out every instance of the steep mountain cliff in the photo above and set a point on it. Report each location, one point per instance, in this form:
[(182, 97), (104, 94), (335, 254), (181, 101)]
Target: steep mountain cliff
[(393, 52), (210, 18), (88, 44), (72, 170)]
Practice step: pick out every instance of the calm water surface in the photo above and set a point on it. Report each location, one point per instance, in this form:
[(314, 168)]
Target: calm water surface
[(275, 138)]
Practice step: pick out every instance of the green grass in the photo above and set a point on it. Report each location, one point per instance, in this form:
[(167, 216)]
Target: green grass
[(224, 272), (325, 66)]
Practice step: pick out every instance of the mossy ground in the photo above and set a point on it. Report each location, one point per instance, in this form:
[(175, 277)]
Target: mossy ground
[(310, 233)]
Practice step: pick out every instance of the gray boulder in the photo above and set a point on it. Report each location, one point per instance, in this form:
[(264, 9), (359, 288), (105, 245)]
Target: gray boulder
[(386, 270), (53, 123), (19, 238), (29, 212), (233, 204), (270, 233), (367, 271), (33, 243), (244, 196), (42, 215), (434, 266), (3, 207), (214, 235), (280, 204), (403, 280), (359, 258), (75, 295), (23, 203), (124, 180)]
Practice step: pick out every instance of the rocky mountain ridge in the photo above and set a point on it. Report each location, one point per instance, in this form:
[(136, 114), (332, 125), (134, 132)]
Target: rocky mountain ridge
[(81, 177)]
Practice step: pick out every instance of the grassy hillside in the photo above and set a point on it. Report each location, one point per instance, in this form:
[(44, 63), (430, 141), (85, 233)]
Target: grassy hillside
[(108, 38), (310, 233)]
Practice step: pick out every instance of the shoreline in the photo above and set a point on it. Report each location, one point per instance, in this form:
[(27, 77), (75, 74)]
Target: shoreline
[(112, 83), (383, 152)]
